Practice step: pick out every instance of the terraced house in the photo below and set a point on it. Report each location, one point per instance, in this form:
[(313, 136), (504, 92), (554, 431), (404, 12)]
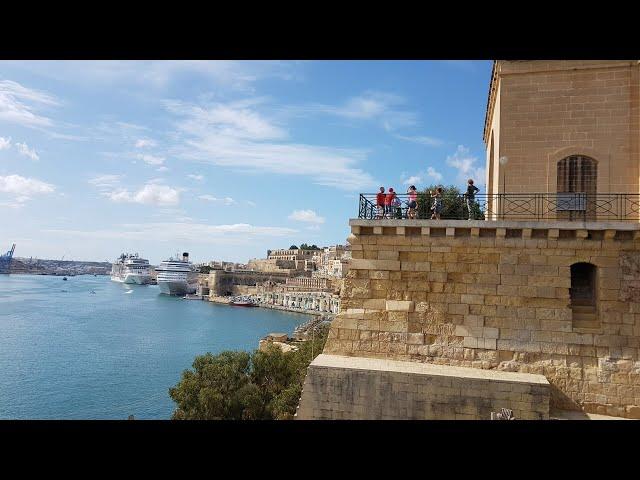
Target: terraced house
[(535, 306)]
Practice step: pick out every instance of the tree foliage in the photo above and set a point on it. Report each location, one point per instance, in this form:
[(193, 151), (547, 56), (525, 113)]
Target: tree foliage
[(262, 385), (293, 247), (304, 246), (453, 204)]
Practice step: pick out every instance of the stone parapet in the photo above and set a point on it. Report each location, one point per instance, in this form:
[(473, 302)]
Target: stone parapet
[(351, 388)]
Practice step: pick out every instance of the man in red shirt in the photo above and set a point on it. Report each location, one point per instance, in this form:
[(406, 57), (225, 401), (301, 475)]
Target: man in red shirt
[(380, 197), (388, 202)]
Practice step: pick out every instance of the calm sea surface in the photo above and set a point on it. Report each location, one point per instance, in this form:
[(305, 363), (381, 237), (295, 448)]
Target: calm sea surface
[(68, 354)]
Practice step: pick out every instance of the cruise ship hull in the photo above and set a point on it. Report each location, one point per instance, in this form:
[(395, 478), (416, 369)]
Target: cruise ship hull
[(175, 288), (132, 279)]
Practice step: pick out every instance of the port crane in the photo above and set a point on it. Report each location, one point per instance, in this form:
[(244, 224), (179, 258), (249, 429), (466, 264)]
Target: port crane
[(5, 260)]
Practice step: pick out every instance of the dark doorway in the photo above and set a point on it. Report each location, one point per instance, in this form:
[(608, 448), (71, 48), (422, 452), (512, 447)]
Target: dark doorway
[(583, 295)]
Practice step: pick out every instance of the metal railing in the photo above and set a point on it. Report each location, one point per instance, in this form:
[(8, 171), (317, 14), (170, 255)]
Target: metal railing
[(509, 206)]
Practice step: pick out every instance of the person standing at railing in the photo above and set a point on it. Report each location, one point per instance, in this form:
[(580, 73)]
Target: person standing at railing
[(470, 197), (380, 197), (437, 203), (413, 202), (388, 203)]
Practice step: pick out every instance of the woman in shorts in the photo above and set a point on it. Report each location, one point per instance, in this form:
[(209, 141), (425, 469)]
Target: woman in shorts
[(413, 201)]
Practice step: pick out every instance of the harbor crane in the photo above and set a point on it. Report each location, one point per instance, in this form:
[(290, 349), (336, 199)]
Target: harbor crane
[(5, 260)]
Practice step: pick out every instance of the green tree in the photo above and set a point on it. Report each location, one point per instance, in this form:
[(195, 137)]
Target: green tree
[(205, 269), (293, 247), (238, 385), (453, 204)]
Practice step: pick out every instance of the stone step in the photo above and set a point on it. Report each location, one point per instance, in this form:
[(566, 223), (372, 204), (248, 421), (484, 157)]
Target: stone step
[(583, 309)]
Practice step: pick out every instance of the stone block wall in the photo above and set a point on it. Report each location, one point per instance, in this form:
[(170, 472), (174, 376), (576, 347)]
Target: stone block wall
[(343, 388), (495, 295)]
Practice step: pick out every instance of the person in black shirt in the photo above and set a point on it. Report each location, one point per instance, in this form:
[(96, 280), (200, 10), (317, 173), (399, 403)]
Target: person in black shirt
[(471, 196)]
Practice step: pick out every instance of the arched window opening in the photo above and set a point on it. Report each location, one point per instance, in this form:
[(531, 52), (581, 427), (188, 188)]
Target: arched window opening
[(577, 174), (583, 294)]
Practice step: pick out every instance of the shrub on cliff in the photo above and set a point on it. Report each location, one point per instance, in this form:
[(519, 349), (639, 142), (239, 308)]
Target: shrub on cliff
[(245, 386)]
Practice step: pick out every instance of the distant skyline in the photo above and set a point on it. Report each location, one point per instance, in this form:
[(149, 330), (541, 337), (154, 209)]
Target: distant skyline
[(223, 159)]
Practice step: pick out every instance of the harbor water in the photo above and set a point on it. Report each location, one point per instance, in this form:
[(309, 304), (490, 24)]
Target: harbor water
[(68, 353)]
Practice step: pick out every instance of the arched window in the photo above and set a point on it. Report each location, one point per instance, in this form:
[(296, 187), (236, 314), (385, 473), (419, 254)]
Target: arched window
[(583, 294), (577, 174)]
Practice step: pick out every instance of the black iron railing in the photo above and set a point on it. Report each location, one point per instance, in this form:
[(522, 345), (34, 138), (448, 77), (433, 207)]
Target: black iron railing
[(509, 206)]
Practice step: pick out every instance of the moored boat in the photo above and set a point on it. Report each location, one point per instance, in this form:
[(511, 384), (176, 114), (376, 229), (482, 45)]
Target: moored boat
[(175, 277), (131, 269), (243, 302)]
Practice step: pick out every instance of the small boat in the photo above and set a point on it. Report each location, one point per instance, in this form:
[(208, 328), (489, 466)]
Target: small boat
[(92, 291), (64, 278), (242, 302)]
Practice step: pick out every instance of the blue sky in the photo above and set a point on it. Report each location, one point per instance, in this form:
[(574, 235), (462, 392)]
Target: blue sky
[(223, 159)]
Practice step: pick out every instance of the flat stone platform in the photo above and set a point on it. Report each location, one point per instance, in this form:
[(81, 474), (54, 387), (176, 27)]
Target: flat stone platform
[(357, 388)]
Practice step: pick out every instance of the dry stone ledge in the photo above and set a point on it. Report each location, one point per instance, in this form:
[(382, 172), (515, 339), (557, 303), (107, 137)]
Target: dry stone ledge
[(356, 388)]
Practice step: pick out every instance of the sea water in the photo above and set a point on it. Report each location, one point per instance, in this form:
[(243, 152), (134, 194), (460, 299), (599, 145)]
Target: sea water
[(67, 353)]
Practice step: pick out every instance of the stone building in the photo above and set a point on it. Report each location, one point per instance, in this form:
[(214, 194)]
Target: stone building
[(332, 262), (563, 126), (454, 319)]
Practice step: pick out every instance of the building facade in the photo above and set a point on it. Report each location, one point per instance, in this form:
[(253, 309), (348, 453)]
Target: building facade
[(563, 126)]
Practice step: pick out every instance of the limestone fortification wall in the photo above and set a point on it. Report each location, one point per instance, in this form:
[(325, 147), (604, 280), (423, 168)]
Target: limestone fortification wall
[(495, 295), (343, 388)]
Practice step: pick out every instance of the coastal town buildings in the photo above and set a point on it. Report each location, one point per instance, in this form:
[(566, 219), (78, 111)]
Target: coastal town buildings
[(536, 308), (306, 280)]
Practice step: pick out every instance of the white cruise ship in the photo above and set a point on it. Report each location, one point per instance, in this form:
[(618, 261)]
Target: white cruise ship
[(175, 277), (130, 268)]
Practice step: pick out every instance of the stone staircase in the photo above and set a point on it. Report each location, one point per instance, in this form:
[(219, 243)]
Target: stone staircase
[(585, 314)]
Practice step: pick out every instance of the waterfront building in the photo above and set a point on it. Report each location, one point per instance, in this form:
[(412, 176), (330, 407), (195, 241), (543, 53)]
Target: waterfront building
[(535, 308)]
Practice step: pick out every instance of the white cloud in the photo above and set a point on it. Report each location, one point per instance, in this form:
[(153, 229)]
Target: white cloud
[(250, 203), (16, 104), (105, 181), (313, 227), (308, 216), (465, 163), (196, 177), (210, 198), (431, 173), (150, 159), (5, 143), (145, 142), (21, 189), (150, 194), (372, 105), (234, 136), (423, 140), (162, 169), (159, 74), (24, 149), (182, 231), (412, 180), (235, 120)]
